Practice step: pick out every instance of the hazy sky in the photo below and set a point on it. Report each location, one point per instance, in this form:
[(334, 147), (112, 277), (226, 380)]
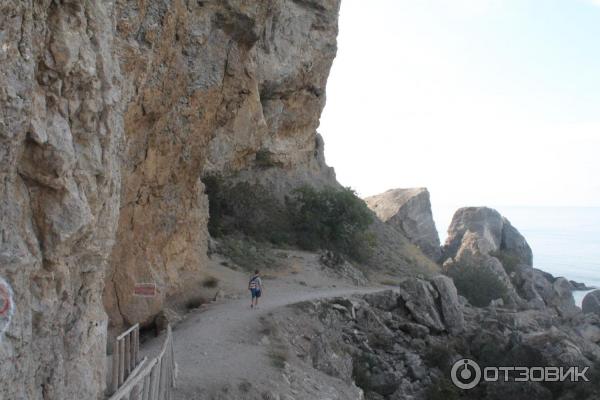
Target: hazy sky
[(485, 102)]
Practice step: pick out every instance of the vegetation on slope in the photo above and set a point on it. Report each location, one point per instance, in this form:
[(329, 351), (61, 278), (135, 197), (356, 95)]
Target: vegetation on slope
[(478, 284), (312, 219)]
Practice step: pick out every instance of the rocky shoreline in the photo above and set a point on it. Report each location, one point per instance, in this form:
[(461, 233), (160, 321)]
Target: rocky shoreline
[(401, 344)]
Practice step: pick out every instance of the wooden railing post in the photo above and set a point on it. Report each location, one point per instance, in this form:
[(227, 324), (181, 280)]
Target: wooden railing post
[(114, 384), (121, 362), (136, 381)]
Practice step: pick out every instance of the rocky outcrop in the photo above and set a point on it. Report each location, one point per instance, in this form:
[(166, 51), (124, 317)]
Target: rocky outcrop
[(110, 114), (387, 347), (591, 303), (476, 231), (478, 236), (409, 211), (481, 237), (452, 310)]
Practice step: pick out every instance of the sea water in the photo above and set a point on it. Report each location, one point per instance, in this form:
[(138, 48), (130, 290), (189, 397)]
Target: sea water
[(565, 240)]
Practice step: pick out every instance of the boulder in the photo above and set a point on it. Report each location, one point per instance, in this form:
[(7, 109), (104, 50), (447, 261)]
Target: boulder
[(589, 332), (480, 236), (485, 231), (563, 299), (409, 211), (420, 298), (591, 302), (451, 309), (386, 300), (541, 288), (326, 359), (373, 374)]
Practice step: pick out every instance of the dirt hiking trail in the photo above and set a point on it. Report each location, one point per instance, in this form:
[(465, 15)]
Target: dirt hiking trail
[(224, 347)]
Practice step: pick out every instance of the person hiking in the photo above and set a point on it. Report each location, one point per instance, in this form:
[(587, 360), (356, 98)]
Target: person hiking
[(255, 287)]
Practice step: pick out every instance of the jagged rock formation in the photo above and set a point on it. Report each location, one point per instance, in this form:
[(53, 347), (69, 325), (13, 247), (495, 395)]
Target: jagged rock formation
[(481, 237), (409, 211), (400, 345), (110, 114), (476, 231)]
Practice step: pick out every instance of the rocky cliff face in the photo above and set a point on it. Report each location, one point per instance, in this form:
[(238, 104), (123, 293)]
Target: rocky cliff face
[(111, 113), (60, 126), (409, 211), (212, 87), (402, 344)]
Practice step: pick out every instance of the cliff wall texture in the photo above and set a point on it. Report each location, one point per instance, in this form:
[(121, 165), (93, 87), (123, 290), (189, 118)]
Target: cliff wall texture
[(60, 125), (211, 87), (111, 112)]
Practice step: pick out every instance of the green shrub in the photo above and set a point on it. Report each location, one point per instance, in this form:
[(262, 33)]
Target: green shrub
[(332, 219), (478, 284), (509, 261), (210, 282), (328, 219), (245, 208), (264, 159)]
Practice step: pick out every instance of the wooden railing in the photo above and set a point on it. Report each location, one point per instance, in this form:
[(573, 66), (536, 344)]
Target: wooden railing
[(151, 380), (126, 356)]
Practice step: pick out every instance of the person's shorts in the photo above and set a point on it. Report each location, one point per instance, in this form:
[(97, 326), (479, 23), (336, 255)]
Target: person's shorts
[(255, 293)]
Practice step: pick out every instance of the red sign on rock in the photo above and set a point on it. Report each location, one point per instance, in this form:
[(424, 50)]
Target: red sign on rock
[(145, 290)]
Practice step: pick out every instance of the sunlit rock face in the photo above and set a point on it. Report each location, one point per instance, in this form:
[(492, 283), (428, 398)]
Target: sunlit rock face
[(230, 87), (483, 230), (409, 211), (60, 127), (110, 114)]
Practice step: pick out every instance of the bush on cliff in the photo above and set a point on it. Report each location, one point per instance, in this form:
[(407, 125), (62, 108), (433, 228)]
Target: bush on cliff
[(509, 261), (312, 219), (478, 284), (246, 208), (332, 219)]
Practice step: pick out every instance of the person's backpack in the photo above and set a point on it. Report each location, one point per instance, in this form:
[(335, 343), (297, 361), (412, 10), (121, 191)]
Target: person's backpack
[(253, 283)]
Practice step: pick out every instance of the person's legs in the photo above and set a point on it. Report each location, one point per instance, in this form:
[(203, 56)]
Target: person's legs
[(254, 300)]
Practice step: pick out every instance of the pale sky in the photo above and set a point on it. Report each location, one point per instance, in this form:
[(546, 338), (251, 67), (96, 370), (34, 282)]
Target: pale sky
[(484, 102)]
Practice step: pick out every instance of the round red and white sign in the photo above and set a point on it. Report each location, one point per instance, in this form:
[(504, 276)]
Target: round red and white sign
[(7, 305)]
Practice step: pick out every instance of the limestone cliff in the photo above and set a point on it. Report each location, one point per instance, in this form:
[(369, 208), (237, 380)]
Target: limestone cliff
[(409, 210), (212, 87), (110, 114), (60, 127)]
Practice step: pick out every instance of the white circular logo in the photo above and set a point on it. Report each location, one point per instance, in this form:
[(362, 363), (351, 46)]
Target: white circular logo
[(465, 374)]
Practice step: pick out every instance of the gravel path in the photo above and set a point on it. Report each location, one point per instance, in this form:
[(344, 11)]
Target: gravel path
[(222, 345)]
